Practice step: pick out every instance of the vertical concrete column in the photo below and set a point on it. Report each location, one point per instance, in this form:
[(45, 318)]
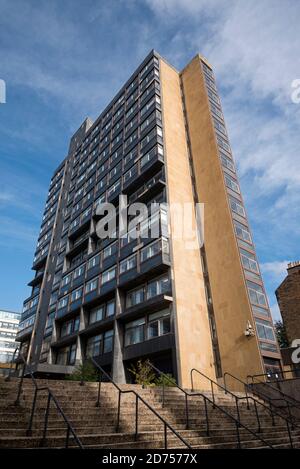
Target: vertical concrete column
[(118, 371)]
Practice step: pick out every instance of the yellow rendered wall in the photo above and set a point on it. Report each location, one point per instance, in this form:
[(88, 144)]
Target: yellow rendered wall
[(193, 337), (239, 355)]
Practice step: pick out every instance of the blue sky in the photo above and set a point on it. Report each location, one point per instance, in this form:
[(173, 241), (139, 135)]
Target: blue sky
[(62, 61)]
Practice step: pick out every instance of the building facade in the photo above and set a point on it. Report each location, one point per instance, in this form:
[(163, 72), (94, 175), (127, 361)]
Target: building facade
[(161, 141), (9, 324), (288, 297)]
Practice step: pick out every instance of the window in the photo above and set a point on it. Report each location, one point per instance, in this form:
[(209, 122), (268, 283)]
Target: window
[(70, 327), (156, 131), (90, 286), (227, 162), (110, 308), (151, 250), (135, 297), (109, 250), (236, 206), (231, 184), (108, 275), (130, 173), (248, 260), (135, 332), (219, 126), (223, 144), (133, 137), (63, 302), (78, 272), (114, 188), (261, 311), (93, 262), (115, 170), (66, 355), (268, 347), (66, 280), (149, 105), (264, 329), (158, 324), (149, 120), (242, 232), (108, 341), (128, 264), (96, 314), (53, 298), (99, 344), (256, 294), (130, 156), (158, 287), (76, 294), (50, 322)]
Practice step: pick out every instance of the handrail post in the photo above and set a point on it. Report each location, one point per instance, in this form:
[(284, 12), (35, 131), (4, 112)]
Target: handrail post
[(257, 417), (206, 416), (119, 410), (17, 401), (67, 437), (272, 415), (290, 436), (163, 396), (187, 412), (99, 388), (136, 416), (238, 435), (192, 382), (166, 435), (212, 392), (29, 429), (290, 414), (237, 409), (224, 378), (247, 397), (46, 419)]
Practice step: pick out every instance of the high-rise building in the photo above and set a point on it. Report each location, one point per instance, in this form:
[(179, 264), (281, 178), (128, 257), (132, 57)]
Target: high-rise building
[(9, 324), (161, 139)]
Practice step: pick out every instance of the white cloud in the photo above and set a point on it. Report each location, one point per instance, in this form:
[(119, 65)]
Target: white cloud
[(276, 269)]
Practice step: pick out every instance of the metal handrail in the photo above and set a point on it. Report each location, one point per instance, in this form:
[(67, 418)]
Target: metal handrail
[(247, 386), (256, 401), (238, 424), (138, 398), (278, 373), (161, 373), (50, 397), (286, 396)]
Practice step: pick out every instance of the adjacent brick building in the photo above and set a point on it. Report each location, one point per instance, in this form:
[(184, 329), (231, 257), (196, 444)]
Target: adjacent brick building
[(288, 297)]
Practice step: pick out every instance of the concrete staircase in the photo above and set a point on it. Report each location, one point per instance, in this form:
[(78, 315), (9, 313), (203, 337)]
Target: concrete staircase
[(96, 426)]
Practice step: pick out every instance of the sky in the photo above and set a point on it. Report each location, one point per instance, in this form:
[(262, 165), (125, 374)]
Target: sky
[(65, 60)]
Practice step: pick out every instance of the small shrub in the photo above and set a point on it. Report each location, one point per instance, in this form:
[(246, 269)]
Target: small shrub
[(143, 373), (165, 380), (84, 372)]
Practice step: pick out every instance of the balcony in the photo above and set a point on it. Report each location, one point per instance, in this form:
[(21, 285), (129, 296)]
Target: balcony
[(149, 347), (156, 264), (37, 279), (78, 244), (24, 333), (145, 167), (149, 189)]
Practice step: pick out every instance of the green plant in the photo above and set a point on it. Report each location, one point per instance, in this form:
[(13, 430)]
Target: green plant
[(281, 334), (165, 380), (84, 372), (143, 373)]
